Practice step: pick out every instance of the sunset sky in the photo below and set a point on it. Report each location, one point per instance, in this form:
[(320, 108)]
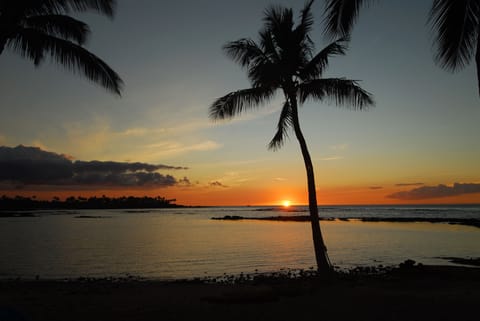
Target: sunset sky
[(420, 139)]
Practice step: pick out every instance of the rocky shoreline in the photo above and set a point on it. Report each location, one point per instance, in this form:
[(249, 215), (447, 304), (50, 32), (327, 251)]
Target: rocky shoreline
[(410, 291), (306, 218)]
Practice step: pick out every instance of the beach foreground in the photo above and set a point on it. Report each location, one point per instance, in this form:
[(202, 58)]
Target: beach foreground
[(417, 293)]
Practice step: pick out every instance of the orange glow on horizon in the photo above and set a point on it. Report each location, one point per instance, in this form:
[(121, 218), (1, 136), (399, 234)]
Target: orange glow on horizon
[(243, 196)]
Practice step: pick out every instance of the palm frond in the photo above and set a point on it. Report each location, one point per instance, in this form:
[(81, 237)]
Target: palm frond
[(316, 66), (268, 46), (306, 19), (344, 92), (34, 7), (278, 18), (284, 124), (290, 47), (61, 26), (301, 34), (32, 44), (340, 16), (266, 74), (17, 9), (236, 102), (456, 27), (260, 61), (105, 7), (243, 51)]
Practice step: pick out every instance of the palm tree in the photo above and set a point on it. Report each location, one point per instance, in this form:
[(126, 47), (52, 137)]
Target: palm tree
[(455, 24), (284, 59), (39, 28)]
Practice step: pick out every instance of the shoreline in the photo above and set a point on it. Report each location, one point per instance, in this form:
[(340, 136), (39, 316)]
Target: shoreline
[(414, 291), (305, 218), (245, 277)]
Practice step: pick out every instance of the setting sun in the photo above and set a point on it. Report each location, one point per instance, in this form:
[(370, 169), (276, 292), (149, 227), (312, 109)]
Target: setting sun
[(286, 203)]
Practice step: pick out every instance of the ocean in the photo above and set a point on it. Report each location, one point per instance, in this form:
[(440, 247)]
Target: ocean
[(186, 243)]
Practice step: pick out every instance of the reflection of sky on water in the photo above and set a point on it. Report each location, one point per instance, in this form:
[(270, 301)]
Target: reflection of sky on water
[(166, 244)]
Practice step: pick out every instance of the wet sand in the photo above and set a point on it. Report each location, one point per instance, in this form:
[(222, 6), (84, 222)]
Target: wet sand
[(425, 293)]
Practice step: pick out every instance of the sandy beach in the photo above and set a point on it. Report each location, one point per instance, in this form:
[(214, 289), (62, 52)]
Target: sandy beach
[(425, 293)]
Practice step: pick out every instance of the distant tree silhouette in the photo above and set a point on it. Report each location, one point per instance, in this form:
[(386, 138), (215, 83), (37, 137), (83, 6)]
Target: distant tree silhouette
[(131, 202), (39, 28), (284, 60), (455, 23)]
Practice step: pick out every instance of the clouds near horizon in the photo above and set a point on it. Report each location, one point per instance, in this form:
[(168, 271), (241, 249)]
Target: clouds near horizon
[(408, 184), (217, 184), (23, 165), (439, 191)]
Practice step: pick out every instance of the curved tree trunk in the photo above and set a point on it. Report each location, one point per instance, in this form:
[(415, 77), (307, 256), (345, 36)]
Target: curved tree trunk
[(321, 256)]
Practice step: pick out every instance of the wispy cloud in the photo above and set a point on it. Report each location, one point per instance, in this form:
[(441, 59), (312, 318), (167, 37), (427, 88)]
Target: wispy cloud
[(231, 178), (280, 179), (409, 184), (98, 139), (183, 128), (203, 146), (375, 187), (34, 166), (173, 148), (217, 184), (331, 158), (439, 191), (185, 182), (194, 125), (134, 132), (89, 139), (339, 147)]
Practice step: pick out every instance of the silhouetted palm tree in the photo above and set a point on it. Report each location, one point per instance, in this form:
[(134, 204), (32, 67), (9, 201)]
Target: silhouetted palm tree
[(39, 28), (284, 59), (455, 23)]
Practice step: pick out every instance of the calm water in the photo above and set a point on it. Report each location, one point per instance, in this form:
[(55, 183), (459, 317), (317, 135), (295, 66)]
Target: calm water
[(179, 243)]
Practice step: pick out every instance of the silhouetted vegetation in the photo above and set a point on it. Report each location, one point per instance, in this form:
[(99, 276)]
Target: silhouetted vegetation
[(104, 202), (37, 29), (284, 59), (455, 25)]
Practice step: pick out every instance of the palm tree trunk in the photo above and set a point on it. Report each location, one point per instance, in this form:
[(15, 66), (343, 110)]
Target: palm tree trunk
[(321, 256)]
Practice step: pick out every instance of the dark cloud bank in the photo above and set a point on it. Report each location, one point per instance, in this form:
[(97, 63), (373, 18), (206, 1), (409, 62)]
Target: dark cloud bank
[(439, 191), (33, 166)]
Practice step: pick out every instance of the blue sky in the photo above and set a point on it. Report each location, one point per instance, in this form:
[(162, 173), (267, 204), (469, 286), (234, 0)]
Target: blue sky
[(424, 127)]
